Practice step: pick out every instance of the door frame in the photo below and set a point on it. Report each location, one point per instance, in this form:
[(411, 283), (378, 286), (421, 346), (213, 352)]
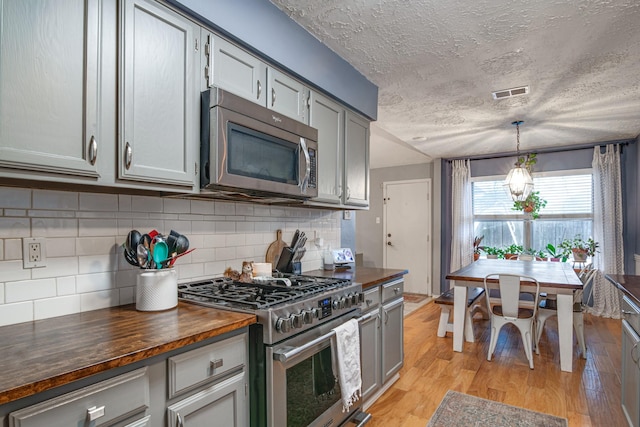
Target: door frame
[(429, 239)]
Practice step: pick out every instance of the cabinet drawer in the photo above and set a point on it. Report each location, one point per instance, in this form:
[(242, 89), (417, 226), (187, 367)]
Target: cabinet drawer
[(392, 290), (198, 366), (371, 298), (104, 403)]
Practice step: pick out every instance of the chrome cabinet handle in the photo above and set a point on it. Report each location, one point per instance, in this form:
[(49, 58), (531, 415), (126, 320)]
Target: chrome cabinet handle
[(179, 420), (348, 193), (215, 364), (128, 156), (386, 317), (629, 312), (305, 181), (396, 290), (273, 97), (635, 346), (339, 191), (93, 150), (259, 89), (94, 413)]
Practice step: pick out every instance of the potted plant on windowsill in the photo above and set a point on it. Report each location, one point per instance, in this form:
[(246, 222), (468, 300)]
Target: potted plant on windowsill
[(512, 251), (531, 205), (493, 252), (581, 249), (556, 254), (476, 247)]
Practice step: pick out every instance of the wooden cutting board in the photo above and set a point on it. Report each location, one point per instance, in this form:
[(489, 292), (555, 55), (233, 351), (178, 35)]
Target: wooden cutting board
[(275, 249)]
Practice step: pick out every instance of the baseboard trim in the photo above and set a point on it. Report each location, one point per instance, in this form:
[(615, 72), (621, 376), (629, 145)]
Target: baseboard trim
[(370, 401)]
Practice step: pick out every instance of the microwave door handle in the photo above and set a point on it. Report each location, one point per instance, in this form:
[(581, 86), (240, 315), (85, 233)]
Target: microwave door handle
[(305, 181)]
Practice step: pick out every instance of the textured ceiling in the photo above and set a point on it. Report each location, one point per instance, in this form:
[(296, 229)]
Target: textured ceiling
[(436, 63)]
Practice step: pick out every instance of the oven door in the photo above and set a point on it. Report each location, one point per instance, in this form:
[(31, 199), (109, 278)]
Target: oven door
[(249, 154), (302, 385)]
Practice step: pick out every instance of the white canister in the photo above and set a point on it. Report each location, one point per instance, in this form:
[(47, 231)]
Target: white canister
[(262, 269), (156, 289)]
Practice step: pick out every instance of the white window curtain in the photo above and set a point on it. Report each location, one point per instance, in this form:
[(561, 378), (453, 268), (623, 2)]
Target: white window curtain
[(462, 215), (607, 229)]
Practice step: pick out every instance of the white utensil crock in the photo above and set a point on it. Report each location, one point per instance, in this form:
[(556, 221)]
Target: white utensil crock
[(156, 289)]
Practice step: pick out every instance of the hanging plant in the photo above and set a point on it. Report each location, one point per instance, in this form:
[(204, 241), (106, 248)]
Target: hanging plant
[(531, 205), (528, 161)]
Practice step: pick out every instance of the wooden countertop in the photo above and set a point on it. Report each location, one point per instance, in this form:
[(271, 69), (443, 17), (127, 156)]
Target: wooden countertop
[(368, 276), (628, 284), (40, 355)]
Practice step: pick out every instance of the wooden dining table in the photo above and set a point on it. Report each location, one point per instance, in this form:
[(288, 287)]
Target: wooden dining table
[(555, 278)]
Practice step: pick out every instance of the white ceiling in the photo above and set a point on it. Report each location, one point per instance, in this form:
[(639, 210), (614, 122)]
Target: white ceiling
[(436, 63)]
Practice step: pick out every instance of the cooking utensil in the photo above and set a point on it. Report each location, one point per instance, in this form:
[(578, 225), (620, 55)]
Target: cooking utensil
[(133, 239), (172, 259), (143, 255), (145, 240), (130, 258), (275, 249), (182, 244), (160, 251)]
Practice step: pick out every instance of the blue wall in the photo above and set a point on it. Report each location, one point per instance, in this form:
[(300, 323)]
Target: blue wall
[(261, 27)]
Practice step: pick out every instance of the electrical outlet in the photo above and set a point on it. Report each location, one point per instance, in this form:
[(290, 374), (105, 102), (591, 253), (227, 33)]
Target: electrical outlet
[(34, 252)]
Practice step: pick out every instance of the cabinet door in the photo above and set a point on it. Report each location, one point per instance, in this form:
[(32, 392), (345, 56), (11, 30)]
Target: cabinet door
[(356, 161), (630, 375), (328, 117), (159, 120), (392, 338), (222, 404), (239, 72), (370, 354), (287, 96), (49, 97)]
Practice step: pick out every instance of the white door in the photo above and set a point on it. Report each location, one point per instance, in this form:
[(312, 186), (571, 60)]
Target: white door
[(407, 232)]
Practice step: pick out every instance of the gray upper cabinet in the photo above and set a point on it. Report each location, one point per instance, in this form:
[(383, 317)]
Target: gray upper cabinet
[(356, 160), (159, 116), (48, 106), (231, 68), (328, 117)]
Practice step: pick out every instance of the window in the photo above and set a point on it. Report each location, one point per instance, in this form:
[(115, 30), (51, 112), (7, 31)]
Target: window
[(569, 210)]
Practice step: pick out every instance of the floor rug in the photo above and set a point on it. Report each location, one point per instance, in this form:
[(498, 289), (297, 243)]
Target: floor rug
[(458, 409)]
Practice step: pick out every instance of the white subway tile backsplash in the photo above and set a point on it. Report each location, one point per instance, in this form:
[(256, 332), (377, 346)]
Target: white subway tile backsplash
[(146, 204), (12, 249), (14, 227), (97, 263), (59, 306), (97, 227), (66, 285), (16, 313), (15, 198), (86, 283), (58, 247), (56, 200), (29, 290), (13, 270), (56, 267), (96, 245), (86, 269), (177, 206), (96, 300), (98, 202)]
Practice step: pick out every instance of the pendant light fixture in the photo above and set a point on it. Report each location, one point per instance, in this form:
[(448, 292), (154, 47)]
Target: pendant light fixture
[(518, 181)]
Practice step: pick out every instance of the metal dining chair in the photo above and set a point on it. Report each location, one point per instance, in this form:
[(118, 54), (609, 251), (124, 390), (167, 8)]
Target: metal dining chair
[(508, 310), (548, 308)]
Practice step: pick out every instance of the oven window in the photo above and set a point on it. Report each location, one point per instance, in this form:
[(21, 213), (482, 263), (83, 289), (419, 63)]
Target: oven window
[(257, 155), (312, 388)]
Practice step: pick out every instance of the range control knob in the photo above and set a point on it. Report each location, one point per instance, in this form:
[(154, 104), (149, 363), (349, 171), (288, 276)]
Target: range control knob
[(297, 320), (283, 325), (355, 299), (343, 302), (335, 304), (347, 301), (308, 316)]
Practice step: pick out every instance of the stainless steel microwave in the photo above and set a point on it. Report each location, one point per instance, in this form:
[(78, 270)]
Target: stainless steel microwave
[(248, 149)]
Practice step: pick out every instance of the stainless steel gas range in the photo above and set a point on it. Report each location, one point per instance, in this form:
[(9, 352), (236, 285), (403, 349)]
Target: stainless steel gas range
[(292, 347)]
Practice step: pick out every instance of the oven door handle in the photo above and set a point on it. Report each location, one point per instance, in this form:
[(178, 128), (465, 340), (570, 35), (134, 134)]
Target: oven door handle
[(288, 353)]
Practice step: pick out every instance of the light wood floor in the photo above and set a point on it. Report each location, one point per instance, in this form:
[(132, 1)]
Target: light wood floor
[(589, 396)]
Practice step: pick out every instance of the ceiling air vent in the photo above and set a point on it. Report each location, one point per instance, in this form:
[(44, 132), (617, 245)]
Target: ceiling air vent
[(509, 93)]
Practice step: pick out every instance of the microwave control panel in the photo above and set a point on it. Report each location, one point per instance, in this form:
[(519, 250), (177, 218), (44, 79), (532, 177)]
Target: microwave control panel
[(313, 160)]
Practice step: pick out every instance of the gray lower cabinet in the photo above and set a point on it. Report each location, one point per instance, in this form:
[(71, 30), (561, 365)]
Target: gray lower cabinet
[(159, 92), (119, 401), (370, 348), (392, 328), (631, 363), (49, 87)]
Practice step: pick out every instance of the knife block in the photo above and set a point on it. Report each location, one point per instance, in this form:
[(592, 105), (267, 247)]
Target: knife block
[(284, 264)]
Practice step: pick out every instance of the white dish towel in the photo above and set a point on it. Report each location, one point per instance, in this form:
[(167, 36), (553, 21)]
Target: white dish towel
[(348, 355)]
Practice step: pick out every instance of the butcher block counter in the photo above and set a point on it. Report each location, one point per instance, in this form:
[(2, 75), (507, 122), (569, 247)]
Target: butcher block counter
[(368, 276), (44, 354), (628, 284)]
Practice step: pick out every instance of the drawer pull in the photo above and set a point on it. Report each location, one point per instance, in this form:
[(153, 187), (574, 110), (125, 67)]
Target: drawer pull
[(369, 302), (215, 364), (94, 413), (396, 290)]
